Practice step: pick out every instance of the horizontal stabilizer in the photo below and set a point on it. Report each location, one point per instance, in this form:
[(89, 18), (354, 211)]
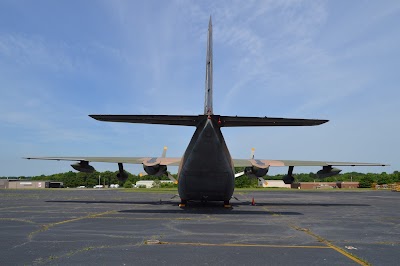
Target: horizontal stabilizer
[(223, 121), (242, 121), (179, 120)]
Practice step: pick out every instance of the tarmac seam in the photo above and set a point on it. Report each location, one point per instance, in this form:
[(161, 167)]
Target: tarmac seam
[(71, 253), (322, 240), (14, 207), (332, 246), (17, 220), (48, 226), (236, 245), (144, 218)]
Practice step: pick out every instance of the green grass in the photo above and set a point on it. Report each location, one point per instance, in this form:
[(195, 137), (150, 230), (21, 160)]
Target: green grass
[(151, 190)]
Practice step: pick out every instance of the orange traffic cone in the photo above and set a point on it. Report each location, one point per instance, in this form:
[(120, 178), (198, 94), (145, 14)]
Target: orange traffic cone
[(253, 203)]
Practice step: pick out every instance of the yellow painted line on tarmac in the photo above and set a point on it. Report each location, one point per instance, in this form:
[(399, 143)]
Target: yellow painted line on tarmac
[(320, 239), (48, 226), (238, 245), (47, 211), (332, 246)]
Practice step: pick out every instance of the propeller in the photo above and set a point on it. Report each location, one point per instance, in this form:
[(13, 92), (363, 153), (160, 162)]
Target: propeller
[(265, 183), (168, 173), (252, 153), (251, 157), (239, 174), (141, 174), (172, 178), (163, 155)]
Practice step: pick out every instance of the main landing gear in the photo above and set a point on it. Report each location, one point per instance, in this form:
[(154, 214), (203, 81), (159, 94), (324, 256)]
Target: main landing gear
[(183, 203), (227, 204)]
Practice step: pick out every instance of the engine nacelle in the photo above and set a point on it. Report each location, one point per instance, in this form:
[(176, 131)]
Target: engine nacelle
[(288, 179), (83, 166), (122, 176), (156, 170), (254, 171), (328, 171)]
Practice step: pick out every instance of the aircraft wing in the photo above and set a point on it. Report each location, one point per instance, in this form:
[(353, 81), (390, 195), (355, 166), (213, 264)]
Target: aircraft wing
[(129, 160), (261, 162)]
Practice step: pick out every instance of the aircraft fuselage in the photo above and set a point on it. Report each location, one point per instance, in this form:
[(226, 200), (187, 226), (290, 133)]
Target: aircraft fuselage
[(206, 171)]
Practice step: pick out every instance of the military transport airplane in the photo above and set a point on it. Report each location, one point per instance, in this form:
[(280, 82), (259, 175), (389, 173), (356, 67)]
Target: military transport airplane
[(206, 170)]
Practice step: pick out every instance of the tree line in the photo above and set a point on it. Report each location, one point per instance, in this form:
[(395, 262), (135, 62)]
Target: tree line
[(75, 179)]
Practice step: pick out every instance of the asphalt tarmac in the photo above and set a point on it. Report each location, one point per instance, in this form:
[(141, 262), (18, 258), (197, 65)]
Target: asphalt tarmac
[(113, 227)]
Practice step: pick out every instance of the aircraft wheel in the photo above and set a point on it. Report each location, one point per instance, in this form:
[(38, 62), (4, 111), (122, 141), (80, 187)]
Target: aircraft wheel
[(183, 203), (227, 204)]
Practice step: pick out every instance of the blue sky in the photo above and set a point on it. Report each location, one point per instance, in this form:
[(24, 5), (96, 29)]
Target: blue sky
[(61, 61)]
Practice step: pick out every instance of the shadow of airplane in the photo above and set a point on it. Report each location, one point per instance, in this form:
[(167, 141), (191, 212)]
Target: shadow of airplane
[(166, 202), (210, 204), (208, 210), (306, 204)]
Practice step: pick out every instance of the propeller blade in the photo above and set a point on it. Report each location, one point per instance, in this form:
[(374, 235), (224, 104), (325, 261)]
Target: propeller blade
[(164, 153), (172, 178), (141, 174), (239, 174), (265, 183)]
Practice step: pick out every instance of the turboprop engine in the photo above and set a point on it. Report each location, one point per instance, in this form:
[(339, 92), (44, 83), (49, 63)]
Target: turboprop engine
[(254, 171), (328, 171), (153, 166), (83, 166), (157, 170), (288, 179)]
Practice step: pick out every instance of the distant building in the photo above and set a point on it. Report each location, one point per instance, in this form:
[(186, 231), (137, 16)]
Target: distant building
[(348, 184), (145, 183), (24, 184), (325, 185), (273, 183), (150, 183)]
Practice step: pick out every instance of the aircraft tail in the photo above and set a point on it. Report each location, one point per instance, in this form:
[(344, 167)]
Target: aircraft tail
[(208, 103), (194, 120)]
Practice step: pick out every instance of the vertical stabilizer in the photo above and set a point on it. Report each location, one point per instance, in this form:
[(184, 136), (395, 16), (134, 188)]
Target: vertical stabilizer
[(208, 106)]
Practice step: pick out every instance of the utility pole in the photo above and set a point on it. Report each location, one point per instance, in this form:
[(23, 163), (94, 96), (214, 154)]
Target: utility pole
[(99, 180)]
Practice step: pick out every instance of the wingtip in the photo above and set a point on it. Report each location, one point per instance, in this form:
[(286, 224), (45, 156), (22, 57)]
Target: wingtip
[(94, 117)]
